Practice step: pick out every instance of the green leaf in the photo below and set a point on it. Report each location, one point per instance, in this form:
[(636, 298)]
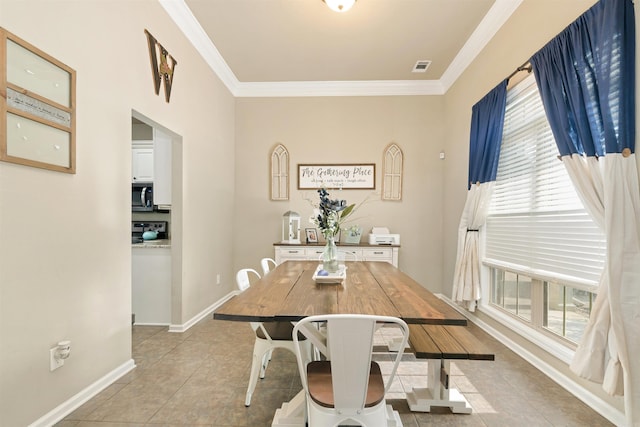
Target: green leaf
[(346, 211)]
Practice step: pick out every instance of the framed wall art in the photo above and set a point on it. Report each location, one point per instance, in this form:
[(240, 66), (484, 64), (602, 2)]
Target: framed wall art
[(360, 176), (280, 173), (37, 115), (392, 171)]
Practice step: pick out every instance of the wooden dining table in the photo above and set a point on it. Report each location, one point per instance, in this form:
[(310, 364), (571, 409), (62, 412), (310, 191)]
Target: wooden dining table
[(289, 293)]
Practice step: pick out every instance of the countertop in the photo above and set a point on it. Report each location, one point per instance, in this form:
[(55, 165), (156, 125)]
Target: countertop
[(158, 243)]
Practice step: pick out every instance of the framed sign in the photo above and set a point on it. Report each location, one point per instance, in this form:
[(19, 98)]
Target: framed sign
[(337, 176), (37, 115)]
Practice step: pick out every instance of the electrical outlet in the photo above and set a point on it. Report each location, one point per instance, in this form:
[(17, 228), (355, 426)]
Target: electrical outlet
[(218, 279), (54, 362)]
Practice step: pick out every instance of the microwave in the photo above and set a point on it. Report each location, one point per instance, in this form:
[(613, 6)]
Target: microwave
[(142, 197)]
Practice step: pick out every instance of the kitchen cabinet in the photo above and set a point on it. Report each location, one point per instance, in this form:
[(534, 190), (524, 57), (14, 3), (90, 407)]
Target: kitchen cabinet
[(363, 252), (151, 285), (151, 162), (142, 162), (162, 169)]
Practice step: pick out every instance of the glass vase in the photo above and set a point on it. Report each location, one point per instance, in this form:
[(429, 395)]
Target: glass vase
[(330, 256)]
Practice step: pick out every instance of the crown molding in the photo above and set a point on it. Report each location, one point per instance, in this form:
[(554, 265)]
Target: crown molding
[(484, 32), (189, 25), (180, 13)]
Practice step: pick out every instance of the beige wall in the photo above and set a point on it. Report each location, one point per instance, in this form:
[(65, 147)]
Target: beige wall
[(65, 253), (343, 130)]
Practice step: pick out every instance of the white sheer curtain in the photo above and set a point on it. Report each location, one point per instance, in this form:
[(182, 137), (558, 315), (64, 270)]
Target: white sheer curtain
[(608, 352), (466, 279), (586, 174)]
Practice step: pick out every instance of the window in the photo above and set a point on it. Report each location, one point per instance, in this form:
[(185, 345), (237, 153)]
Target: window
[(545, 252), (566, 310), (512, 292), (559, 309)]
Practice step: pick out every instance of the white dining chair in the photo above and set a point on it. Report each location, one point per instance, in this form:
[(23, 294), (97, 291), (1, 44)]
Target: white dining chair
[(347, 387), (269, 336), (267, 264)]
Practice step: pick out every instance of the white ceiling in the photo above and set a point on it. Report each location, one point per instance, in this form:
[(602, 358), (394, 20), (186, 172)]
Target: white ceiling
[(302, 48)]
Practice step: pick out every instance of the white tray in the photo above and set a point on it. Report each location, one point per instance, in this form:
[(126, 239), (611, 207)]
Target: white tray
[(335, 278)]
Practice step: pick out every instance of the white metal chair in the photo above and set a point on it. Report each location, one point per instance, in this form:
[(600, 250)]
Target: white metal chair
[(348, 386), (267, 264), (269, 336)]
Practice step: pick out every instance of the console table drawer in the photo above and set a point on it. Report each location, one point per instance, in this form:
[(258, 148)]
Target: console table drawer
[(370, 254), (314, 253), (362, 252), (355, 251), (294, 253)]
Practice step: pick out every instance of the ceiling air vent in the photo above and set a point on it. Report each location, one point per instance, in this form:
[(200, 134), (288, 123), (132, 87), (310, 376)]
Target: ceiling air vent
[(421, 66)]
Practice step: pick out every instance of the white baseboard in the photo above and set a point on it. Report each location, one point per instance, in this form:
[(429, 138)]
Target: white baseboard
[(150, 324), (605, 409), (67, 407), (204, 313)]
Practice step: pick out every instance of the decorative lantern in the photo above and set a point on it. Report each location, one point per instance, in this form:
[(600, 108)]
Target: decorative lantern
[(291, 227)]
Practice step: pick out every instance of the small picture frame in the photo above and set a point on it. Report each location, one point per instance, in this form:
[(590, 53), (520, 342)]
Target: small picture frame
[(312, 235)]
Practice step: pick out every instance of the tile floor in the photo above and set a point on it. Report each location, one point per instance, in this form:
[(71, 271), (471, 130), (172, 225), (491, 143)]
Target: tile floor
[(199, 378)]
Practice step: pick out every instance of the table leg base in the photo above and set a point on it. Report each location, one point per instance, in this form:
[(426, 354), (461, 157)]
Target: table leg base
[(421, 400), (393, 417), (292, 413), (394, 345)]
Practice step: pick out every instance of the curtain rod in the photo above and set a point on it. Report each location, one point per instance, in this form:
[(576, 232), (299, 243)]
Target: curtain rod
[(524, 67)]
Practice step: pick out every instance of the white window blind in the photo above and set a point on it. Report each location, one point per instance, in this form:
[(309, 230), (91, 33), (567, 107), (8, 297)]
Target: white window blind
[(537, 225)]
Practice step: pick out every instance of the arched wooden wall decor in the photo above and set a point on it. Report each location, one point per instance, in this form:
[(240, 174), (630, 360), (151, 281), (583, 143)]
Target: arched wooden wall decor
[(392, 167), (280, 173)]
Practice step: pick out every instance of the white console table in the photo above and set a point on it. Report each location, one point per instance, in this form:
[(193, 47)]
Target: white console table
[(312, 251)]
